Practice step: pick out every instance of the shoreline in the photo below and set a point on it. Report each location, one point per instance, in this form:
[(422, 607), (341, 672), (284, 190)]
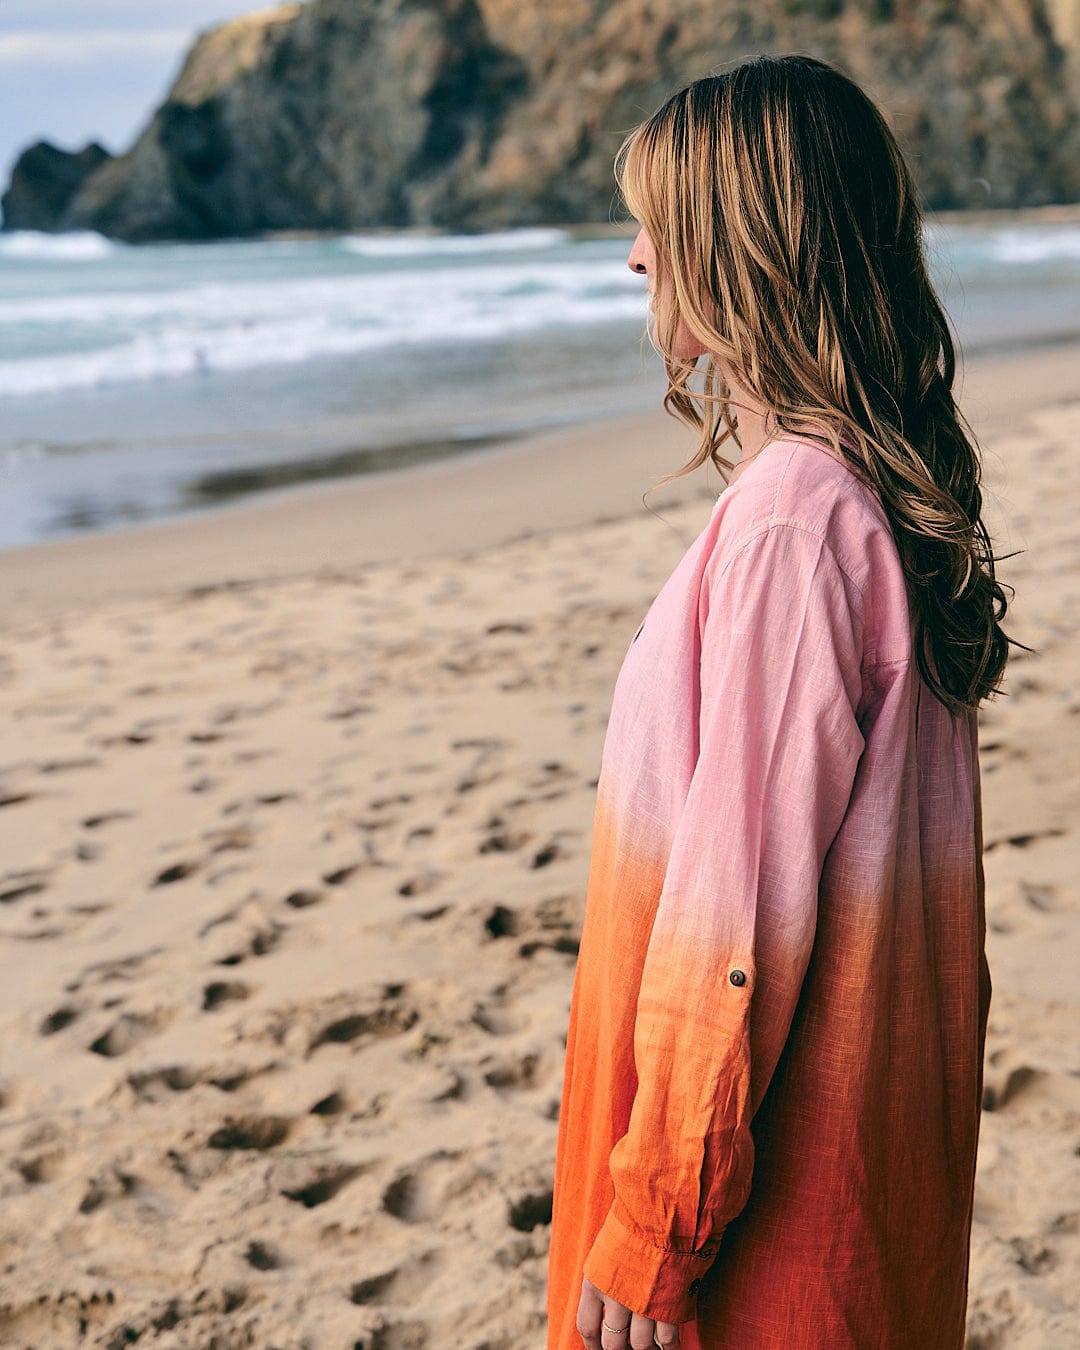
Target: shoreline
[(559, 478)]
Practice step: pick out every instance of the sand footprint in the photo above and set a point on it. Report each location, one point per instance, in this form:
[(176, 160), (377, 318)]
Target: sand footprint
[(548, 854), (251, 1132), (18, 885), (156, 1084), (121, 968), (550, 926), (427, 915), (476, 779), (146, 1084), (175, 872), (333, 1104), (58, 1019), (41, 1167), (127, 1031), (1003, 1085), (504, 922), (262, 1255), (1023, 840), (396, 1336), (419, 1194), (402, 1284), (503, 840), (530, 1211), (135, 737), (106, 1187), (64, 765), (315, 1183), (1033, 1256), (237, 837), (1044, 898), (389, 1017), (497, 1019), (219, 992), (260, 942), (339, 875), (304, 898), (522, 1072), (95, 822), (420, 884), (554, 781)]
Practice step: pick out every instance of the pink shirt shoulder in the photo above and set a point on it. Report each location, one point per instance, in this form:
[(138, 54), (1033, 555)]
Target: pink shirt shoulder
[(799, 484)]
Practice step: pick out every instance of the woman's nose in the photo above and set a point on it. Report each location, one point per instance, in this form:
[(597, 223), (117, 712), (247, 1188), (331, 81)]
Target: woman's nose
[(637, 259)]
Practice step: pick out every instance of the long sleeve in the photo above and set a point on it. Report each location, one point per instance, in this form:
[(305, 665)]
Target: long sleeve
[(779, 640)]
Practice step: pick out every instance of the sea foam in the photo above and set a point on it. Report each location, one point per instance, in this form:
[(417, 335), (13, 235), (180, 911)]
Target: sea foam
[(111, 336), (78, 246)]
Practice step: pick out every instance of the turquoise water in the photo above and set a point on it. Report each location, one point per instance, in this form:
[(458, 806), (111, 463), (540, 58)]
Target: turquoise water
[(141, 382)]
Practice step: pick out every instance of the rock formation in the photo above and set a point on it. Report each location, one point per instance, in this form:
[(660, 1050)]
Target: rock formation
[(44, 181), (339, 114)]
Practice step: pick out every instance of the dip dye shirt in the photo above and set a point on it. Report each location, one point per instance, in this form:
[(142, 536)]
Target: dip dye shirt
[(773, 1074)]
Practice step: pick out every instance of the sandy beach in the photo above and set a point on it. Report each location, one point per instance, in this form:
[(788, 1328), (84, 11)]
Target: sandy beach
[(295, 811)]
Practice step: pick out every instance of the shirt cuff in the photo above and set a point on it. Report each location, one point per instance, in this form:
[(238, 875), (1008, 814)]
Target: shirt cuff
[(649, 1280)]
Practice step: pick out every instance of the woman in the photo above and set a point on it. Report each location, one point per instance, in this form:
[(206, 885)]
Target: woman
[(774, 1058)]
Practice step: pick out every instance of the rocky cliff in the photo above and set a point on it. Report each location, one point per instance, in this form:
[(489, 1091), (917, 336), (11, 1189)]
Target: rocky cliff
[(44, 182), (339, 114)]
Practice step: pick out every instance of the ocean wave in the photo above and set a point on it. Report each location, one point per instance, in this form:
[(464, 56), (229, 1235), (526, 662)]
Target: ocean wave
[(411, 296), (215, 328), (78, 246), (12, 456), (1034, 245), (412, 246), (162, 312)]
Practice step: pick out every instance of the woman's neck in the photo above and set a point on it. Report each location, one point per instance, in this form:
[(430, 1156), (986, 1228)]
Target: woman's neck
[(757, 427)]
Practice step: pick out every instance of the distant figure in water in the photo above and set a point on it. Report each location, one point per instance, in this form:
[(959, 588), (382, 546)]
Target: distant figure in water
[(774, 1056)]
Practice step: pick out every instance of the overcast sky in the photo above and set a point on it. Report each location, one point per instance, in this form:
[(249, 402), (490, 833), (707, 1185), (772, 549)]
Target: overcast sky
[(72, 71)]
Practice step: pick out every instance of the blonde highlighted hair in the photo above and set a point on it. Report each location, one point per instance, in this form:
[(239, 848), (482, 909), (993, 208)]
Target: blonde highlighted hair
[(788, 237)]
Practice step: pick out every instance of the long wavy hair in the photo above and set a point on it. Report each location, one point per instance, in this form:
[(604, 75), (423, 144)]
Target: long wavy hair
[(788, 236)]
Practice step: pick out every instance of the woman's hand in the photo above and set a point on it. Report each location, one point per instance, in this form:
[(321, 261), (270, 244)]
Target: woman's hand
[(596, 1308)]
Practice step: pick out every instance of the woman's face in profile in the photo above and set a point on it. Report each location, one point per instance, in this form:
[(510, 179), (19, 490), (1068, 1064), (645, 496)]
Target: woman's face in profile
[(642, 260)]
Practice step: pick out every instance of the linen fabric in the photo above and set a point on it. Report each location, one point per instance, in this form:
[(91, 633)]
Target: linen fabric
[(773, 1074)]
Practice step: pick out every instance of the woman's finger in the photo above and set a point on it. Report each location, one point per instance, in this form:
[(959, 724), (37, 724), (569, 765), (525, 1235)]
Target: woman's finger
[(641, 1333), (666, 1335), (590, 1315), (619, 1317)]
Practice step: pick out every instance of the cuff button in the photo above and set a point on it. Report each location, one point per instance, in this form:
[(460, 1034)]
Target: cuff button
[(695, 1285), (737, 977)]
